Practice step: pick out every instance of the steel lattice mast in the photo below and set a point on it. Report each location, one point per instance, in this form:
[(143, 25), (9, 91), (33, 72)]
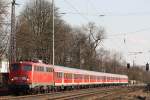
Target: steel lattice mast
[(12, 46)]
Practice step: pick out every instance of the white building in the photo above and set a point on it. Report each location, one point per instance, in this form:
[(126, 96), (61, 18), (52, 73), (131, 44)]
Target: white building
[(4, 66)]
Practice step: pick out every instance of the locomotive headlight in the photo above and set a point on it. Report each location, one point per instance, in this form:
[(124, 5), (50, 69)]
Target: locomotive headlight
[(12, 79), (27, 79)]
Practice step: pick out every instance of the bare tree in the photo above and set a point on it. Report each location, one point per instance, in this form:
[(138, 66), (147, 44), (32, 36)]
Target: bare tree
[(63, 43), (35, 26), (34, 34), (94, 39), (3, 28), (2, 10), (86, 40)]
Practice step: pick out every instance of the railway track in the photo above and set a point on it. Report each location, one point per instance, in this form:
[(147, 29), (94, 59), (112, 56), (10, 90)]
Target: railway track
[(118, 94), (103, 92), (78, 95), (92, 95)]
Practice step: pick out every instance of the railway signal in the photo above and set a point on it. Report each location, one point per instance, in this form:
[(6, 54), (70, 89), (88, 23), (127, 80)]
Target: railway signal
[(147, 67), (128, 65)]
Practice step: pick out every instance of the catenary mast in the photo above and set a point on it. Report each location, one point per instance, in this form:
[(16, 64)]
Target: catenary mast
[(12, 42)]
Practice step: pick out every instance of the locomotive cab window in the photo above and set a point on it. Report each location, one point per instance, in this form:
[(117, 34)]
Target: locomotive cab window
[(27, 68), (15, 67)]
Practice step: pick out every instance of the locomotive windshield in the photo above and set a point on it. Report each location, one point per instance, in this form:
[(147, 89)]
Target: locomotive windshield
[(15, 67)]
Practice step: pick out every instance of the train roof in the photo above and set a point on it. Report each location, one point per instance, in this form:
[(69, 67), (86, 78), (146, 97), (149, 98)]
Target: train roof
[(82, 71), (33, 63), (74, 70)]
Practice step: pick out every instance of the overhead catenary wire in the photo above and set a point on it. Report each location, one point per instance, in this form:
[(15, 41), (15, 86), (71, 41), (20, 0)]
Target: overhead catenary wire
[(77, 11), (95, 9), (108, 14), (129, 33)]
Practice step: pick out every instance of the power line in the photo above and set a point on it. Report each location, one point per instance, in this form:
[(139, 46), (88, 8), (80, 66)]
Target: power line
[(85, 14), (111, 14), (77, 11), (129, 33), (94, 7), (96, 15), (128, 14)]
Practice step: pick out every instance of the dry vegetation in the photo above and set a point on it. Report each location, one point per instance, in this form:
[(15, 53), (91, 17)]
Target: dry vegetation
[(3, 27)]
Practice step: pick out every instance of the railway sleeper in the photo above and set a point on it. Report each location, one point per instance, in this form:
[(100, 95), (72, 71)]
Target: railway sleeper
[(49, 88)]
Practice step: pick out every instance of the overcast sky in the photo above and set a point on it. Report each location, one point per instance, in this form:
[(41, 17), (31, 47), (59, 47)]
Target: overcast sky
[(127, 23)]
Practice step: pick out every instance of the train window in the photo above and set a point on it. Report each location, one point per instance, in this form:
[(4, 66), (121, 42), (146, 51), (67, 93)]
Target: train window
[(98, 78), (103, 77), (86, 77), (48, 69), (65, 75), (68, 75), (42, 68), (75, 76), (27, 68), (15, 67), (91, 77), (80, 76), (59, 74), (39, 68), (36, 68)]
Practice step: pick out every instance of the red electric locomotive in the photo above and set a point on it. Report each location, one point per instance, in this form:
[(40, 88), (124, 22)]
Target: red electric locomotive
[(25, 76), (39, 77)]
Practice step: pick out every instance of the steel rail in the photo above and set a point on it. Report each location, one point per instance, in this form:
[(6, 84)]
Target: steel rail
[(104, 92)]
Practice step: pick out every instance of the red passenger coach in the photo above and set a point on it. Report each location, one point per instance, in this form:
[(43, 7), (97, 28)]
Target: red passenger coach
[(39, 77), (65, 76)]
